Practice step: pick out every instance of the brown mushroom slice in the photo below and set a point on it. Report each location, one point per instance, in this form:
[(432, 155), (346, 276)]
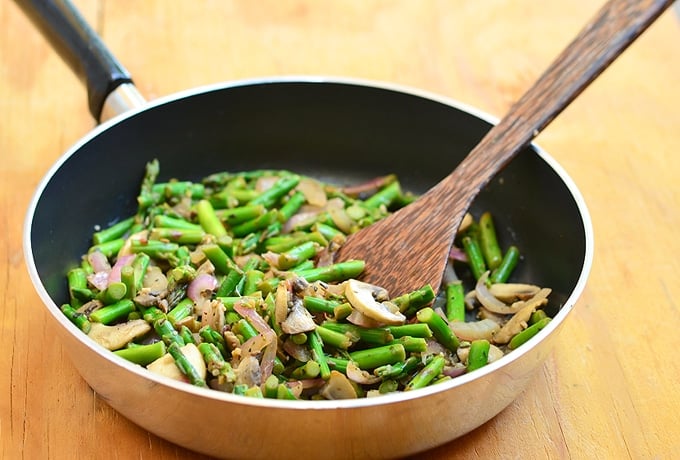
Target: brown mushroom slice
[(249, 372), (510, 292), (366, 298), (155, 280), (117, 336), (515, 325), (358, 375), (495, 353), (298, 319), (540, 299), (338, 387)]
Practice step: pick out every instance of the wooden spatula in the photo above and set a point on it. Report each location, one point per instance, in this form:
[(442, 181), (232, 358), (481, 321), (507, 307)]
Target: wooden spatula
[(410, 248)]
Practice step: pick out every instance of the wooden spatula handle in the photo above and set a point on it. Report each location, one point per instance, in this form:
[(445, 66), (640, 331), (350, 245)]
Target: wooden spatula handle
[(609, 33), (410, 247)]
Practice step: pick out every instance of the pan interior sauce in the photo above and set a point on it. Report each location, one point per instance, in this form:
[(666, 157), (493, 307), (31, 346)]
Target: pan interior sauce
[(230, 283)]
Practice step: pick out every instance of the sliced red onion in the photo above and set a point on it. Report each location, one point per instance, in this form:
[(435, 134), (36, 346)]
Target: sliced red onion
[(254, 345), (474, 330), (368, 188), (454, 371), (300, 219), (201, 285), (434, 347), (295, 387), (114, 274), (254, 318), (359, 319), (99, 280), (488, 300), (267, 362), (98, 261), (299, 352), (311, 383), (458, 254)]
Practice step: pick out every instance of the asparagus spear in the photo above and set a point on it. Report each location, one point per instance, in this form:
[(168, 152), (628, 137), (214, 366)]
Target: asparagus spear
[(455, 301), (185, 365), (114, 232), (79, 319), (507, 265), (143, 354), (378, 356), (431, 370), (440, 329), (475, 256), (488, 241), (478, 355)]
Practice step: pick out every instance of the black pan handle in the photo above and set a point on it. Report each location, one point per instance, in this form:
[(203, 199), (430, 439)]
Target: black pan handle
[(79, 46)]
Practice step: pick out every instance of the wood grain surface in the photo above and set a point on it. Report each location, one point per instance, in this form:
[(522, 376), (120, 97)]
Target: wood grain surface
[(610, 390)]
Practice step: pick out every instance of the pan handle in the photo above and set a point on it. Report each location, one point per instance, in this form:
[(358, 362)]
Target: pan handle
[(84, 52)]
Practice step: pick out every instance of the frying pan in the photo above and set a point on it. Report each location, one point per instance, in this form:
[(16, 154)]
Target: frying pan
[(336, 129)]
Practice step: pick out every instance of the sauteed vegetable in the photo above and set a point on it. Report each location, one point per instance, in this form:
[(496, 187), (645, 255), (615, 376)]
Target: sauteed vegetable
[(230, 284)]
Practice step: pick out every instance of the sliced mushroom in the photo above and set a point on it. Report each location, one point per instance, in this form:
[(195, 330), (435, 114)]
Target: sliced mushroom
[(248, 372), (165, 365), (358, 375), (155, 288), (495, 353), (368, 299), (338, 387), (155, 280), (510, 292), (298, 319), (515, 325), (538, 300), (116, 337)]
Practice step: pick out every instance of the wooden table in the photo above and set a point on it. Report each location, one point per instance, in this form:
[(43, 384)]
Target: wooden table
[(610, 389)]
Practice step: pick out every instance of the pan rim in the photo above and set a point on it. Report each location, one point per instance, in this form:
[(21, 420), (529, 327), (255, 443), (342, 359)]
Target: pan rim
[(506, 360)]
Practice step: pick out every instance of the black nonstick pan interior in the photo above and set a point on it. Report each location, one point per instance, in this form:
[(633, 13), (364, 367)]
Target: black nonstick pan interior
[(341, 131)]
